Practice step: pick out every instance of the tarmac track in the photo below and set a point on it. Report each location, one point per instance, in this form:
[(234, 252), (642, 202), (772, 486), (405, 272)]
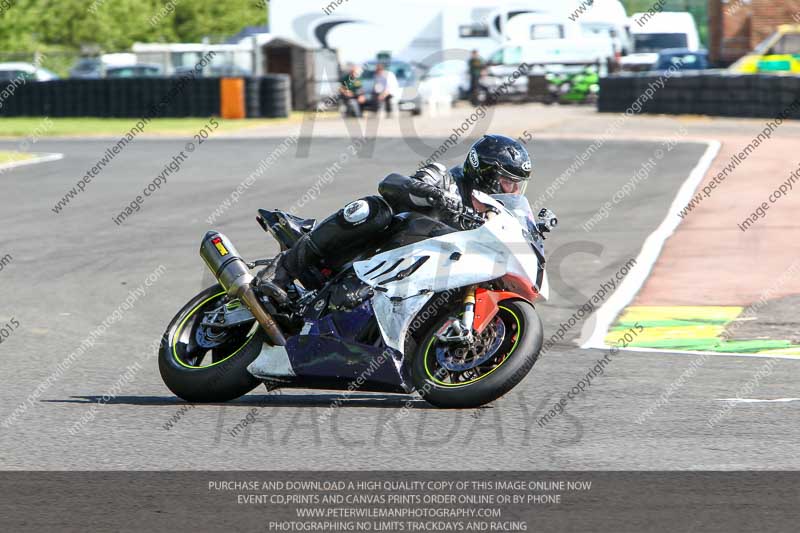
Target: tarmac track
[(70, 270)]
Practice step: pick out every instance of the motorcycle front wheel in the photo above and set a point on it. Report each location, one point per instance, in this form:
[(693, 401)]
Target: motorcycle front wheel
[(452, 375), (204, 364)]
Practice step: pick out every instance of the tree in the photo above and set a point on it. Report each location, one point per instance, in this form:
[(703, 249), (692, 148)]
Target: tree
[(114, 25)]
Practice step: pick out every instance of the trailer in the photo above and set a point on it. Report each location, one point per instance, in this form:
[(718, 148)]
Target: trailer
[(415, 31), (428, 32)]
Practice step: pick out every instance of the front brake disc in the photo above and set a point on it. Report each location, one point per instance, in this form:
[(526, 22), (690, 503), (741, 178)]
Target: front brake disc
[(462, 357)]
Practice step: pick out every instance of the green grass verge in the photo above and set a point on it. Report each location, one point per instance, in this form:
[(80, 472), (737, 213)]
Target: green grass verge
[(92, 126)]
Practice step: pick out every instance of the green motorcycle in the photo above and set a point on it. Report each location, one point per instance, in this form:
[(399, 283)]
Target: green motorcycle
[(573, 88)]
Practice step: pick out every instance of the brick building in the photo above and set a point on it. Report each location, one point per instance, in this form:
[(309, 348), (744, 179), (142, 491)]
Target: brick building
[(737, 26)]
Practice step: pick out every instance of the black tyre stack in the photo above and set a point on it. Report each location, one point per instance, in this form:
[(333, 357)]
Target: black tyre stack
[(124, 97), (790, 95), (274, 98), (252, 96), (616, 94), (714, 93)]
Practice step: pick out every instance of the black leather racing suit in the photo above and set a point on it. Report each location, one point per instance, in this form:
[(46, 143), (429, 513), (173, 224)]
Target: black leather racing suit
[(340, 237)]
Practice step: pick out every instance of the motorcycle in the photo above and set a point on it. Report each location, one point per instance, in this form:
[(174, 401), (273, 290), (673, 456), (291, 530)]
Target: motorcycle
[(573, 88), (446, 313)]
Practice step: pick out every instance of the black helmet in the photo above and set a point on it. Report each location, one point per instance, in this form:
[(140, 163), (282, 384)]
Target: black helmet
[(496, 164)]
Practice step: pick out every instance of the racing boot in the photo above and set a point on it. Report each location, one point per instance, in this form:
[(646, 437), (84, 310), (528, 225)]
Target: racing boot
[(296, 263)]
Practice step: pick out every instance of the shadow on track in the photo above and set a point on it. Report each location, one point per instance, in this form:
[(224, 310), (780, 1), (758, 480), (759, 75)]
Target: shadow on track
[(266, 400)]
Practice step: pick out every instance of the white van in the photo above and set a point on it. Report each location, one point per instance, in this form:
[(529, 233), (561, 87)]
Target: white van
[(653, 32), (546, 55), (544, 39), (608, 18)]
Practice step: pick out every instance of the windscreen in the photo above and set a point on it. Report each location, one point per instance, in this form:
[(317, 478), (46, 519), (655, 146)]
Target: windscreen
[(655, 42), (519, 206), (401, 71), (8, 75)]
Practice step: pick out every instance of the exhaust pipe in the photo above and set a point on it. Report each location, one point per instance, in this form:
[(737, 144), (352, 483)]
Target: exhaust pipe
[(232, 273)]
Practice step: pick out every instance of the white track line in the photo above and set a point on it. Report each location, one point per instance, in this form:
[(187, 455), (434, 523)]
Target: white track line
[(633, 282), (40, 158), (690, 352), (755, 400)]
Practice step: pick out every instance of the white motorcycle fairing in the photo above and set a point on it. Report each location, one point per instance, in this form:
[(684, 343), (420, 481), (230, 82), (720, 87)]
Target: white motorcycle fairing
[(405, 278)]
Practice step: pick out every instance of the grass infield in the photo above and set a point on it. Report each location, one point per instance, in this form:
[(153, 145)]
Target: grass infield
[(16, 127)]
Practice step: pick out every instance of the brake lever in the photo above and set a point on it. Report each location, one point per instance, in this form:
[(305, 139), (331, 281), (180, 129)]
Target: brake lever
[(260, 262)]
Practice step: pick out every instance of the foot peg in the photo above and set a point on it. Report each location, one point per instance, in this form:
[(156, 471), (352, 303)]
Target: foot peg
[(269, 289)]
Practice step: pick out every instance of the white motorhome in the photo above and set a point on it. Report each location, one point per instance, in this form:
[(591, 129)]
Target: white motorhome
[(419, 31), (653, 32), (609, 18), (604, 19), (414, 31), (547, 42)]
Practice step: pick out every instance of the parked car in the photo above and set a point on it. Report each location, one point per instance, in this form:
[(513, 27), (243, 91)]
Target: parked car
[(87, 68), (780, 52), (26, 71), (449, 77), (140, 70), (407, 76), (682, 59), (220, 71), (439, 87), (94, 67)]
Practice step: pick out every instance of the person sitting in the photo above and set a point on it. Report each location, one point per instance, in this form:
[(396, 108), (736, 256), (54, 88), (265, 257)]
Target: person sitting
[(351, 91), (386, 90)]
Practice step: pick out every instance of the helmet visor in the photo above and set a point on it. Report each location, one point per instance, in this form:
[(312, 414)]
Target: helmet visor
[(512, 186)]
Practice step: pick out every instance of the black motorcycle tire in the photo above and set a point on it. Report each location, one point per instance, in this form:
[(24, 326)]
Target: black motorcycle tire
[(221, 382), (507, 375)]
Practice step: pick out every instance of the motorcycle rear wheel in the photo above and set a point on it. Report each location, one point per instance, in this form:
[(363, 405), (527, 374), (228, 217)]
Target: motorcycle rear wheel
[(487, 381), (203, 374)]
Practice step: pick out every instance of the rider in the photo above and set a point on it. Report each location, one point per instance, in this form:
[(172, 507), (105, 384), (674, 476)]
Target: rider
[(495, 164)]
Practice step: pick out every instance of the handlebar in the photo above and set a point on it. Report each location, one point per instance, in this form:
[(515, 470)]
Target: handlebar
[(469, 218)]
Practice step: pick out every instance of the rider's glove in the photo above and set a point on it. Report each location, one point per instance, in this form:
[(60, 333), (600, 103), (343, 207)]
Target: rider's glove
[(449, 202), (468, 219), (547, 221)]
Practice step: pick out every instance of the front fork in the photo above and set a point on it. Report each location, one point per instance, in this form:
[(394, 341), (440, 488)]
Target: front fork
[(459, 330)]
